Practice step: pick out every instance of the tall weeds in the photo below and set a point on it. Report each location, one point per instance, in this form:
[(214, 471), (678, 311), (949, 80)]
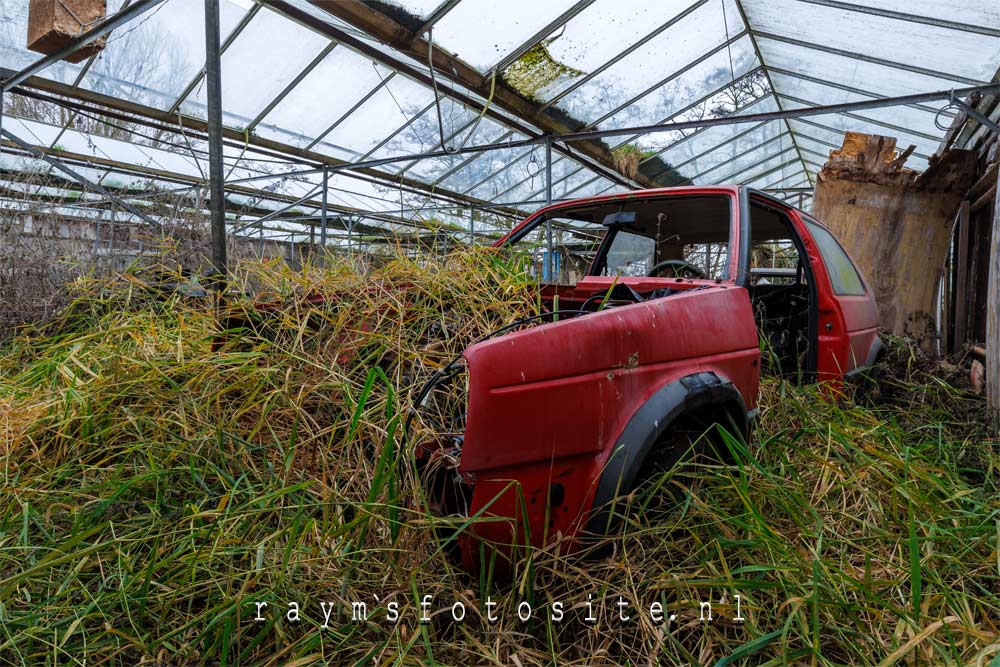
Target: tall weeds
[(154, 492)]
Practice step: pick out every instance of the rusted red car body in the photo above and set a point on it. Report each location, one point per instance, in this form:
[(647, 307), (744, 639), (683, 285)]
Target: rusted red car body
[(560, 415)]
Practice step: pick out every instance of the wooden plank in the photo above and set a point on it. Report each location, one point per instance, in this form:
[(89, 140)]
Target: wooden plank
[(993, 318), (985, 182), (962, 276), (985, 200)]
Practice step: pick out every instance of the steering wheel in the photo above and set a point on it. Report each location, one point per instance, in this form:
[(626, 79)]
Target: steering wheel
[(679, 266)]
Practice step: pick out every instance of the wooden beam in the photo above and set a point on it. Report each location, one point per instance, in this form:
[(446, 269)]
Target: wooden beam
[(447, 66), (993, 318), (987, 181), (985, 200), (962, 276)]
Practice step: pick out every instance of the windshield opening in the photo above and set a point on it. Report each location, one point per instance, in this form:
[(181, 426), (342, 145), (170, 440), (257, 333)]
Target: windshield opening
[(675, 236)]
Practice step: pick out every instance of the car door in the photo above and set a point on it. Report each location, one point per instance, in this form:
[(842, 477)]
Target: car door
[(847, 324)]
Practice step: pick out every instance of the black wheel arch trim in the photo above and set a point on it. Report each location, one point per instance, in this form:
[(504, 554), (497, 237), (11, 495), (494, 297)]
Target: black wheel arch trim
[(874, 354), (671, 401)]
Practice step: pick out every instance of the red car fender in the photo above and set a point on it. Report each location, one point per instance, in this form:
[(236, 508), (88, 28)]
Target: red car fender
[(548, 404)]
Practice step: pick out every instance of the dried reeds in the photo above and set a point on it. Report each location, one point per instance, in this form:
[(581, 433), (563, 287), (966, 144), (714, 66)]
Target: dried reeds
[(156, 493)]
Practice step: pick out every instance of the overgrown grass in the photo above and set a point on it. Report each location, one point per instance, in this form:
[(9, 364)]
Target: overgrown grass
[(155, 491)]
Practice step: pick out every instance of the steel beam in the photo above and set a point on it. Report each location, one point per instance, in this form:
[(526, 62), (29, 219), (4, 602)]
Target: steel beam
[(216, 172), (83, 180), (760, 58)]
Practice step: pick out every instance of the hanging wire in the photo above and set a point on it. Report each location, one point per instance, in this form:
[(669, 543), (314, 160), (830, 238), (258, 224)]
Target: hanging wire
[(437, 99)]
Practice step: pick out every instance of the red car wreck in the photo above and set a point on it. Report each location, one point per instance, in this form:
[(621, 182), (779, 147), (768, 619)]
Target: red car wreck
[(665, 301)]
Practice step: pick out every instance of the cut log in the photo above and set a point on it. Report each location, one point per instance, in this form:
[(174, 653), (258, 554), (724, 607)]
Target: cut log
[(895, 223), (52, 24)]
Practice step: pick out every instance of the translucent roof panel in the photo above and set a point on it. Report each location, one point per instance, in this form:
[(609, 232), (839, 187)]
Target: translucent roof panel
[(252, 76), (394, 103), (975, 12), (644, 69), (967, 55), (153, 60), (149, 62), (621, 23), (856, 124), (686, 87), (753, 143), (912, 118), (607, 64), (331, 89), (484, 32), (858, 74), (751, 165)]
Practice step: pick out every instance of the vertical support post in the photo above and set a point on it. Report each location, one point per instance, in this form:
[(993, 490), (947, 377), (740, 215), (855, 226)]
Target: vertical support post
[(97, 236), (323, 219), (472, 225), (548, 200), (216, 176), (111, 241)]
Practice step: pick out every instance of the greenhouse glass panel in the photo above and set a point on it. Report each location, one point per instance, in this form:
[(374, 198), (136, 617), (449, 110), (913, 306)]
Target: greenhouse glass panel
[(968, 55), (984, 13), (842, 123), (330, 90), (754, 144), (572, 53), (431, 169), (717, 106), (772, 180), (422, 133), (750, 166), (484, 32), (526, 165), (528, 182), (846, 71), (264, 58), (683, 43), (908, 117), (396, 102), (482, 167), (688, 87), (703, 139)]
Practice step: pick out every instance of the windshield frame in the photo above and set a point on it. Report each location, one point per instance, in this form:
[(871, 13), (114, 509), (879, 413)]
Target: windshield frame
[(738, 226)]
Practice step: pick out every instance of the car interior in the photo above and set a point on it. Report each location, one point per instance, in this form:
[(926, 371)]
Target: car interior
[(682, 237)]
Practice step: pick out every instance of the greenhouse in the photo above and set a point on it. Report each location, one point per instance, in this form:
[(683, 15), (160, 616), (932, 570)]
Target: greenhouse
[(383, 257)]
